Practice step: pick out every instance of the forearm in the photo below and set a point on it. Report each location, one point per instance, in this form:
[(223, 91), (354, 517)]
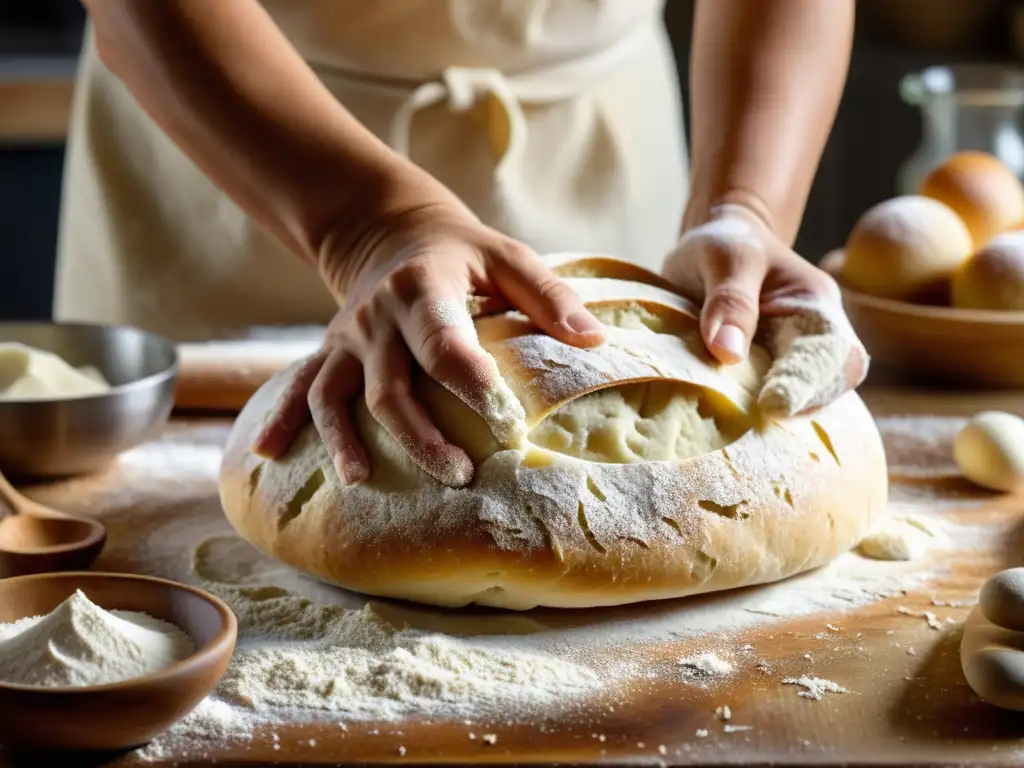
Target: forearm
[(224, 83), (766, 80)]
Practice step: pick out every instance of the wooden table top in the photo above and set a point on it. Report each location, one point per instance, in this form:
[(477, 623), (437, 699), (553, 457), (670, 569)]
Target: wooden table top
[(903, 707)]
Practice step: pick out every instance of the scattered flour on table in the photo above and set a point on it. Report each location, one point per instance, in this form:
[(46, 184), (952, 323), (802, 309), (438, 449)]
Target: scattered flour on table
[(309, 650), (814, 687), (920, 446), (79, 643), (364, 667), (705, 664)]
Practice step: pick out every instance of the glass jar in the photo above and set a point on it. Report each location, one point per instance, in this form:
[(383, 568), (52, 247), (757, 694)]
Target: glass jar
[(967, 106)]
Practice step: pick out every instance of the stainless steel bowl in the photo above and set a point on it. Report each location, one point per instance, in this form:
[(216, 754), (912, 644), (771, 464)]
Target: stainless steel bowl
[(49, 438)]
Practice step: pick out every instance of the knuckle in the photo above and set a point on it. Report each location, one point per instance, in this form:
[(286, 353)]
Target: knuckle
[(381, 395), (516, 253), (732, 297), (555, 291), (445, 355), (315, 397), (362, 318), (437, 350), (406, 280)]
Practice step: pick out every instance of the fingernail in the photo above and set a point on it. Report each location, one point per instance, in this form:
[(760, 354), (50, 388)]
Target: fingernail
[(261, 445), (356, 473), (583, 323), (350, 472), (732, 340)]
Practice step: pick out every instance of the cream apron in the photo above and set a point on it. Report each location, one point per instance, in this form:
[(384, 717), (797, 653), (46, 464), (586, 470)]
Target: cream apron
[(557, 121)]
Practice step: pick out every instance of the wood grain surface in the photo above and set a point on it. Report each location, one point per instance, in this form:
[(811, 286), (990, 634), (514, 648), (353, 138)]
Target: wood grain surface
[(904, 707)]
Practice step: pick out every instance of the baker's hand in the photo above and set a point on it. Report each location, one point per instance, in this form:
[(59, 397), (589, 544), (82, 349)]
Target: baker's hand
[(404, 285), (753, 286)]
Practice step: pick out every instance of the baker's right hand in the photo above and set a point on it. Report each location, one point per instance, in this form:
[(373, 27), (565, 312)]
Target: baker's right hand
[(403, 285)]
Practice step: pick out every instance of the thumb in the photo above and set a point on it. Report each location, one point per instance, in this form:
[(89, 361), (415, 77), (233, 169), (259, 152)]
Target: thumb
[(732, 290)]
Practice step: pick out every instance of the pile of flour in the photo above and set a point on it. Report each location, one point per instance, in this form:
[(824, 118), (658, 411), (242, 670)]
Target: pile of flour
[(80, 644), (365, 662)]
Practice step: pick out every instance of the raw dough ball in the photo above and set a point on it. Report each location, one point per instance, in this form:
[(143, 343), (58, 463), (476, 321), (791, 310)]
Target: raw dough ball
[(907, 248), (901, 538), (992, 659), (992, 649), (1002, 599), (27, 373), (985, 194), (990, 450), (993, 278)]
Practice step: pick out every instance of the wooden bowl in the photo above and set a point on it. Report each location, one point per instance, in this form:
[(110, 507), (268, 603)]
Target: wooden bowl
[(125, 714), (935, 344)]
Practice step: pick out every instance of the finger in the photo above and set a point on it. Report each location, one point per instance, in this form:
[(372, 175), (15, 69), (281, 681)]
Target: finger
[(733, 276), (390, 400), (818, 356), (330, 402), (291, 412), (543, 297), (430, 308)]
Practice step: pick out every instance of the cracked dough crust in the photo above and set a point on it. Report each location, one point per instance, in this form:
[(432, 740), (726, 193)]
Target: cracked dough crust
[(646, 474)]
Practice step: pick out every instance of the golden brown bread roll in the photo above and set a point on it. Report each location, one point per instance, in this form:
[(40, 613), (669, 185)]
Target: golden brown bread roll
[(906, 248), (643, 476), (993, 278), (985, 194)]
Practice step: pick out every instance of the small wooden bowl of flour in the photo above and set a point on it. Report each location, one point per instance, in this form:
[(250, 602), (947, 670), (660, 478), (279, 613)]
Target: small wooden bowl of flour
[(934, 343), (95, 661)]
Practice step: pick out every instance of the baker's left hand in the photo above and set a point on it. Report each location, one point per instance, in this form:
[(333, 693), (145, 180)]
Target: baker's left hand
[(753, 286)]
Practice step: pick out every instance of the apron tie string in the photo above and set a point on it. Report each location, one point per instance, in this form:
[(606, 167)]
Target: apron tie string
[(463, 88)]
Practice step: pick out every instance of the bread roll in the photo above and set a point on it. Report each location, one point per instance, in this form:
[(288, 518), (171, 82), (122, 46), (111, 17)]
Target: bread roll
[(993, 278), (990, 451), (906, 248), (644, 474), (985, 194)]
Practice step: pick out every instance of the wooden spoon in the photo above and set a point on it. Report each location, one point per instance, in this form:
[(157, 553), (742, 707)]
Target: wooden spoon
[(38, 539)]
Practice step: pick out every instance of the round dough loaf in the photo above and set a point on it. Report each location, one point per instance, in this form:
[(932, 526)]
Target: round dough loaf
[(643, 475), (990, 450), (984, 192), (993, 278), (906, 248)]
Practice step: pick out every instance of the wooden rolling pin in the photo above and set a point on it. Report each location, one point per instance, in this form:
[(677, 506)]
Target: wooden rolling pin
[(223, 375)]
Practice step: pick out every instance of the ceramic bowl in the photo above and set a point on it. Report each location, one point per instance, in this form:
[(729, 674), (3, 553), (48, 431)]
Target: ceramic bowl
[(978, 349)]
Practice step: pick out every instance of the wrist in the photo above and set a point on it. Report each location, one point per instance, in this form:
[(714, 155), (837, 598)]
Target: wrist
[(374, 223), (735, 202)]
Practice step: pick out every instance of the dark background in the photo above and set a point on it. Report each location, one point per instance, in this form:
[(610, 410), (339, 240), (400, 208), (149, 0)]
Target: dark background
[(874, 133)]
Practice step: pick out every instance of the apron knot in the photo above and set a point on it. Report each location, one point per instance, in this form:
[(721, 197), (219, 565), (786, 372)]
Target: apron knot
[(463, 89)]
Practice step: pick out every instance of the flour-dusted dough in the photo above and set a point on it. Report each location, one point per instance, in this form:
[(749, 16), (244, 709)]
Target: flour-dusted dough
[(992, 648), (990, 450), (645, 474), (27, 373), (901, 538)]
